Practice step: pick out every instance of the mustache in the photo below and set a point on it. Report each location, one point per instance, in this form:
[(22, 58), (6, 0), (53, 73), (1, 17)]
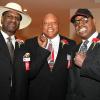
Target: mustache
[(83, 29)]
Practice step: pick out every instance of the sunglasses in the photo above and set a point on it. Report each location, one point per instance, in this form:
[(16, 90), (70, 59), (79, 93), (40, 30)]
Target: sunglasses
[(82, 21)]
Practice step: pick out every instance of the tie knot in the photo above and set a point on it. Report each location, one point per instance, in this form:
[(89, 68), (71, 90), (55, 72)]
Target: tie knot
[(50, 46), (9, 38), (86, 42), (83, 48)]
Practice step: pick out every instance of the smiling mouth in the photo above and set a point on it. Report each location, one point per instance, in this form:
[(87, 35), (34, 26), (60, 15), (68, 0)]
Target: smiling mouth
[(50, 30), (83, 29), (12, 25)]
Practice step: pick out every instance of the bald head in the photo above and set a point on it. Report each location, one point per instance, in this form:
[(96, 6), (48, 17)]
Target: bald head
[(51, 16), (50, 25)]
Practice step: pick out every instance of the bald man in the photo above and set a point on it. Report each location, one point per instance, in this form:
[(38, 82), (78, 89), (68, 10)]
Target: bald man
[(51, 81)]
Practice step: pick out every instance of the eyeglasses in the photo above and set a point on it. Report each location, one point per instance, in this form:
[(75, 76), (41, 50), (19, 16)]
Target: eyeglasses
[(82, 21)]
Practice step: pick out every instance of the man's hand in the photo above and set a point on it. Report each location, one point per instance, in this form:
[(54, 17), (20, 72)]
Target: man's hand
[(42, 40), (79, 59)]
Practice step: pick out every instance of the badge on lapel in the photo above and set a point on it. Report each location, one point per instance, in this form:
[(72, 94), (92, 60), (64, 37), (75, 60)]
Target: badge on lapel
[(26, 60)]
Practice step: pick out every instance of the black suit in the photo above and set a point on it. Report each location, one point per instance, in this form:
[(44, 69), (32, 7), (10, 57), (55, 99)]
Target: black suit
[(22, 76), (85, 81), (49, 85), (6, 71)]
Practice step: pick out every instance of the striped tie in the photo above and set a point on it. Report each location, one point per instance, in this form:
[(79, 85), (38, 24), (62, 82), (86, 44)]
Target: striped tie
[(83, 48), (10, 48), (51, 57)]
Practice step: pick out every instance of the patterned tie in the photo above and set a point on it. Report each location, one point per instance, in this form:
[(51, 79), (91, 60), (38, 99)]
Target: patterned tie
[(83, 48), (51, 57), (10, 47)]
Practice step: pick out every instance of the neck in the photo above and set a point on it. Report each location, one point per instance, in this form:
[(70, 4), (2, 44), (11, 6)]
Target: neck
[(9, 33)]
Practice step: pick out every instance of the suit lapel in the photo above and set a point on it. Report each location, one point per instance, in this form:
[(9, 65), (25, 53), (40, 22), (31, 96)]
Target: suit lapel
[(98, 36), (93, 48), (3, 47), (59, 55)]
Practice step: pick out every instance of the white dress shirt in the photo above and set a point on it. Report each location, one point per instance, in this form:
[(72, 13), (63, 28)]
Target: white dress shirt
[(55, 43)]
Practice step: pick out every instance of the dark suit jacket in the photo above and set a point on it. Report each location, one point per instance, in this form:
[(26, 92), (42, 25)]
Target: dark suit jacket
[(6, 71), (85, 81), (49, 85), (22, 76)]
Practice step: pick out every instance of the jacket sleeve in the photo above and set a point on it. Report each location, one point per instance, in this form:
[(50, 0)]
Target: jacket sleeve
[(38, 56)]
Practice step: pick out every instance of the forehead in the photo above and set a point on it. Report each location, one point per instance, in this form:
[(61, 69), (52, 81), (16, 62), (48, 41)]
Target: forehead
[(79, 17), (50, 17), (12, 12)]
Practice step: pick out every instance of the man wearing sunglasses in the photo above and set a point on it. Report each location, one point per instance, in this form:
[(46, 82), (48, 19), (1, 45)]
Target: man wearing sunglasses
[(85, 75)]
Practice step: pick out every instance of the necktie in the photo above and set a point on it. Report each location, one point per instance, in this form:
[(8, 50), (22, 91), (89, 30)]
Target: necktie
[(83, 48), (10, 47), (51, 57)]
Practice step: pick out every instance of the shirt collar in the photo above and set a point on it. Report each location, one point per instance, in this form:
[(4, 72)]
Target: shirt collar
[(94, 35), (55, 39), (6, 35)]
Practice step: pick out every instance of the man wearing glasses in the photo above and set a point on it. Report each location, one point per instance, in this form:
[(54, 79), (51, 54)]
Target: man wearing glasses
[(85, 75)]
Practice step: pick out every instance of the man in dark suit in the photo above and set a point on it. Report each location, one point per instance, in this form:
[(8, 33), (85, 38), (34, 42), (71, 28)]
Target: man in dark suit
[(12, 19), (27, 64), (51, 81), (85, 77)]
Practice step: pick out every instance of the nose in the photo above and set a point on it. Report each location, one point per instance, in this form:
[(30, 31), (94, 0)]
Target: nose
[(50, 25), (81, 23), (14, 19)]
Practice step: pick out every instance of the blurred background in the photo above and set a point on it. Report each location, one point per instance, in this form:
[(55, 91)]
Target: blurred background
[(64, 9)]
